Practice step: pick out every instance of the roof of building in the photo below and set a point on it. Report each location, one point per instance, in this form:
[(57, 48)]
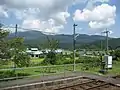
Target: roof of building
[(37, 52), (34, 49)]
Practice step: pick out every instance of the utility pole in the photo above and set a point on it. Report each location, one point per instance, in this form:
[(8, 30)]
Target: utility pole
[(106, 32), (74, 40), (101, 43), (15, 47), (16, 26)]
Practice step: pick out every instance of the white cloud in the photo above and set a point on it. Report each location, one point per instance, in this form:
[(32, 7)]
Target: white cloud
[(3, 12), (35, 12), (101, 24), (25, 13), (101, 0), (91, 3), (41, 8), (47, 15), (53, 30), (31, 23), (44, 26), (61, 17), (111, 32), (97, 33), (100, 17)]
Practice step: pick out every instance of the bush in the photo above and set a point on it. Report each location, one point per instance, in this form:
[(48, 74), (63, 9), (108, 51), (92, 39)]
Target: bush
[(8, 74), (89, 61), (60, 59), (4, 62), (68, 61), (117, 54), (77, 54), (23, 74), (21, 60), (50, 58)]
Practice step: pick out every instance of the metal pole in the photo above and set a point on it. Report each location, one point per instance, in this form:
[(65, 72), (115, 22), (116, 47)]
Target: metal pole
[(106, 32), (15, 47), (107, 40), (101, 43), (16, 30), (74, 44)]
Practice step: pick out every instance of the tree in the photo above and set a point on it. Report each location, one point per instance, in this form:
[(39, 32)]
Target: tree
[(13, 49), (51, 44), (50, 58), (18, 53), (116, 54), (4, 46)]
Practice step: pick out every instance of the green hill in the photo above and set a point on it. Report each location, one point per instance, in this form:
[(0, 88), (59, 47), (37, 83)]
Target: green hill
[(114, 43), (35, 38)]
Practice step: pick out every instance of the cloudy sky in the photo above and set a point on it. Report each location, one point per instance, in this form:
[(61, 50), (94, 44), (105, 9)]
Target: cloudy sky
[(58, 16)]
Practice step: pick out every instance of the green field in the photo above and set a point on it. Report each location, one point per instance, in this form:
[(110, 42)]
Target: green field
[(50, 69), (37, 60), (10, 64)]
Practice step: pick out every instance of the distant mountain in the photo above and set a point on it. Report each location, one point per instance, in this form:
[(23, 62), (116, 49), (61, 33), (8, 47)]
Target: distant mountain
[(114, 43), (28, 35), (36, 38)]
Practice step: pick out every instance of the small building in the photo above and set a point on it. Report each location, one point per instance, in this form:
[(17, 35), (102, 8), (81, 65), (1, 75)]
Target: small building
[(48, 50), (34, 52), (58, 51)]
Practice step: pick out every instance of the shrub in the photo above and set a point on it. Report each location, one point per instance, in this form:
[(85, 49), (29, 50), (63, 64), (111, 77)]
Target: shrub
[(89, 61), (50, 58), (60, 59), (117, 54), (68, 61), (8, 74)]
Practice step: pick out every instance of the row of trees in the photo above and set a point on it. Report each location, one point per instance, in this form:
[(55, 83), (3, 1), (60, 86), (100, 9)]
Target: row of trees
[(12, 49)]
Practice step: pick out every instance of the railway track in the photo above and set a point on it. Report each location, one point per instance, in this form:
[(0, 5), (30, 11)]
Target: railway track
[(77, 83), (117, 77), (90, 85)]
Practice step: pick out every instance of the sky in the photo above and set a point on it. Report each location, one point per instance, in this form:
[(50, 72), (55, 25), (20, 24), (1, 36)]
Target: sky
[(58, 16)]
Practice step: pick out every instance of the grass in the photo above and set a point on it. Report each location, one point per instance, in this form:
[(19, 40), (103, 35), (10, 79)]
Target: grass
[(9, 64), (37, 60), (116, 68), (49, 69), (6, 65), (52, 69), (114, 71), (57, 69)]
